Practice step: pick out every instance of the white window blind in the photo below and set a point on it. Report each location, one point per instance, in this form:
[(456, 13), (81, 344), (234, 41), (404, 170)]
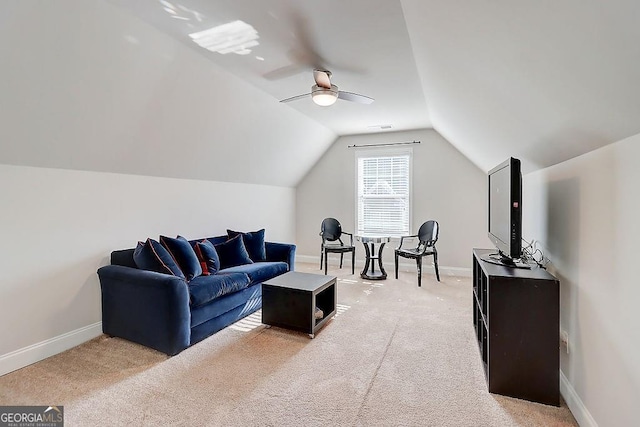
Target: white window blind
[(384, 194)]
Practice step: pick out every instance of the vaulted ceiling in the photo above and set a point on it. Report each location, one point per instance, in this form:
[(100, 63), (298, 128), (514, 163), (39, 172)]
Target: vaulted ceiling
[(120, 86), (544, 81), (541, 80)]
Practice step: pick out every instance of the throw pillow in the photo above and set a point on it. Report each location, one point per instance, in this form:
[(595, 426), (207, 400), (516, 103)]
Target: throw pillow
[(208, 257), (183, 254), (253, 242), (232, 253), (152, 256)]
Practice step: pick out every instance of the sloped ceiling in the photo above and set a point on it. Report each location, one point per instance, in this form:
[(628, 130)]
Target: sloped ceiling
[(544, 81), (364, 44), (88, 86), (118, 86)]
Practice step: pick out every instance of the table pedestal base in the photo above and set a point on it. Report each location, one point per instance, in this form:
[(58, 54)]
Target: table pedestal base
[(370, 262)]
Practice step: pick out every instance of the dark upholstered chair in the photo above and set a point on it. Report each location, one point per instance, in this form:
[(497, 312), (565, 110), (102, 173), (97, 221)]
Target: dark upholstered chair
[(427, 238), (331, 233)]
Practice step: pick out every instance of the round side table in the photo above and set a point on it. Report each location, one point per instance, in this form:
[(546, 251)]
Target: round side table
[(369, 243)]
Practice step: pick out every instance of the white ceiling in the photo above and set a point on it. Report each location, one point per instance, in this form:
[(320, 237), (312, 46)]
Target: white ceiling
[(87, 85), (118, 85), (544, 81), (364, 44)]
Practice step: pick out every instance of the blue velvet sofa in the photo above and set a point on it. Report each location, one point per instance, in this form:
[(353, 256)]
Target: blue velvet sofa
[(169, 313)]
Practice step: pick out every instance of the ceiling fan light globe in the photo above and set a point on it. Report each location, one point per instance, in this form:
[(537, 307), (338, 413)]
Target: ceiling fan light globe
[(324, 99), (324, 96)]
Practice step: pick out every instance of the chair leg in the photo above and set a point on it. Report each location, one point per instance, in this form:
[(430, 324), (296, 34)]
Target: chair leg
[(325, 262), (419, 264), (341, 257), (321, 256), (396, 265), (435, 263), (353, 262)]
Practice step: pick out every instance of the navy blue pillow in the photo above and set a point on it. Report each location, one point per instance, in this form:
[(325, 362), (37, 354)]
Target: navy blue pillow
[(152, 256), (183, 254), (232, 253), (253, 242), (208, 257)]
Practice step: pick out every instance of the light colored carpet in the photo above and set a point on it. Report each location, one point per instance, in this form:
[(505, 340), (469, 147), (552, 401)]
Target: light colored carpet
[(394, 355)]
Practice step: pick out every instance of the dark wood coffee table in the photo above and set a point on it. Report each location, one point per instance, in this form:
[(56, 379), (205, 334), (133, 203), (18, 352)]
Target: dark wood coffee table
[(290, 300)]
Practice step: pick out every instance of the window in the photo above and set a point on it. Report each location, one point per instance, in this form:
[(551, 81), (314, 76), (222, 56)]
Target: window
[(384, 189)]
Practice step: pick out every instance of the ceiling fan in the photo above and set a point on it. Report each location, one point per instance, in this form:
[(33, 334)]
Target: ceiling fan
[(324, 93)]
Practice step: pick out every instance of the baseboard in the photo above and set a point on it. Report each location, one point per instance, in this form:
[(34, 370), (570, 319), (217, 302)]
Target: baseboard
[(34, 353), (403, 266), (577, 408)]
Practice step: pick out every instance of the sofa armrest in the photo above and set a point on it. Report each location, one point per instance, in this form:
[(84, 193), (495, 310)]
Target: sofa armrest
[(146, 307), (285, 252)]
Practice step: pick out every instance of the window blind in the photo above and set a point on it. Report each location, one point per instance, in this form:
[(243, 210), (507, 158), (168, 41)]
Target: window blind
[(383, 194)]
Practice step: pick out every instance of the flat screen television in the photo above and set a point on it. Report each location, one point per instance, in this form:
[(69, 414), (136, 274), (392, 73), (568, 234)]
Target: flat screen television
[(505, 210)]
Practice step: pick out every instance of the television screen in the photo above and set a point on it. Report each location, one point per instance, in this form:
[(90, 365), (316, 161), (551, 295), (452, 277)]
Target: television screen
[(505, 204)]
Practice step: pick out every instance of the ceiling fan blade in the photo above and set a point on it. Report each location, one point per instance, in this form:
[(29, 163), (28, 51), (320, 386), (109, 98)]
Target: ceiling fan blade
[(306, 53), (354, 97), (322, 78), (284, 72), (295, 98)]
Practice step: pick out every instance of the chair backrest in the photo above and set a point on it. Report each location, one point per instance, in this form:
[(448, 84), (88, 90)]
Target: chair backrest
[(428, 233), (331, 230)]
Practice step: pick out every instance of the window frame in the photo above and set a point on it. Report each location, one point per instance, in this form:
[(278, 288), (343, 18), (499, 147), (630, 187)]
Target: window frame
[(384, 152)]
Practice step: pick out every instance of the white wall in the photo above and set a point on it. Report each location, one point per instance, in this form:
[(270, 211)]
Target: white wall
[(447, 187), (584, 212), (59, 226)]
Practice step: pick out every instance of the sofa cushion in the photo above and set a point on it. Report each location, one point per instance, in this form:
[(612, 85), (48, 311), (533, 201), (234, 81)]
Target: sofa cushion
[(208, 257), (152, 256), (253, 242), (203, 289), (183, 254), (258, 272), (232, 253)]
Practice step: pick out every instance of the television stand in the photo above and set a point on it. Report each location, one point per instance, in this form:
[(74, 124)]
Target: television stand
[(501, 259), (516, 317)]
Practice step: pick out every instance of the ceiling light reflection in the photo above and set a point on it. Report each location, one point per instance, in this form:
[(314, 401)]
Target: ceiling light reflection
[(177, 11), (234, 37), (166, 4)]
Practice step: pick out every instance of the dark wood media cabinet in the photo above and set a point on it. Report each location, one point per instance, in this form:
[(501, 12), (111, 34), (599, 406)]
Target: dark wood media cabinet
[(516, 316)]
